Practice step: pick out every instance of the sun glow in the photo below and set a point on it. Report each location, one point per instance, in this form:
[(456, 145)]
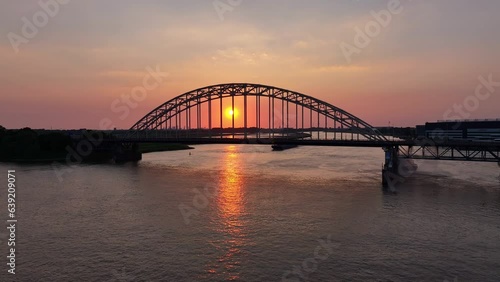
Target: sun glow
[(230, 113)]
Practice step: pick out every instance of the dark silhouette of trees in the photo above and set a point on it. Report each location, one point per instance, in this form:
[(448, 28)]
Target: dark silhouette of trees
[(2, 132), (19, 143), (26, 144), (53, 142)]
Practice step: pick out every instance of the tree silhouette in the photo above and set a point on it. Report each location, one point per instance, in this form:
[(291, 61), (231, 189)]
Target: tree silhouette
[(27, 144)]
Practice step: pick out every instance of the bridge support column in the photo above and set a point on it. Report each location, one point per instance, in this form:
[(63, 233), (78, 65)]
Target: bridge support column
[(499, 167), (390, 169), (127, 153)]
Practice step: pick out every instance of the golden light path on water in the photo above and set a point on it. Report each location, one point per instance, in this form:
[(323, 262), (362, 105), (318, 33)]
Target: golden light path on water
[(230, 208)]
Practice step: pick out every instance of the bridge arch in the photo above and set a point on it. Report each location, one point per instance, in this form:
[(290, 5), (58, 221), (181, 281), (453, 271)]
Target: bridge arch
[(168, 115)]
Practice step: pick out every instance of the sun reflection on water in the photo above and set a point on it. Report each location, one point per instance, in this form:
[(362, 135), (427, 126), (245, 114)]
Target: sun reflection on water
[(230, 198), (230, 208)]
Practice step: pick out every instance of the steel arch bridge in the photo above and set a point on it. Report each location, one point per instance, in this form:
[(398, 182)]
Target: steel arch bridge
[(267, 111), (272, 115)]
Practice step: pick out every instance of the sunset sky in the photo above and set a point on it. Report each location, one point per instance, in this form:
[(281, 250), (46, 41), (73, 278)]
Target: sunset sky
[(426, 59)]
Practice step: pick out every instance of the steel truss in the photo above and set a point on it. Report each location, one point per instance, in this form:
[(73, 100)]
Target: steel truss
[(171, 114), (461, 152)]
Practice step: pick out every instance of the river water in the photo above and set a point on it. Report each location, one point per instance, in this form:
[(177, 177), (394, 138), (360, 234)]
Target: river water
[(245, 213)]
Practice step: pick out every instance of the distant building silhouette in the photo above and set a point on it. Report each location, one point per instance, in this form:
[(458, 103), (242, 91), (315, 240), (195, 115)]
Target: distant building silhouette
[(474, 130)]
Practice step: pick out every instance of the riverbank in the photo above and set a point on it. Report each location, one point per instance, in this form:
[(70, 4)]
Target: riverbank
[(61, 157), (30, 146), (36, 158), (34, 161)]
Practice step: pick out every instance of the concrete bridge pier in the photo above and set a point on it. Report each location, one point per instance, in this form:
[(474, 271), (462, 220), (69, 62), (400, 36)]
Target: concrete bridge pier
[(499, 167), (127, 153), (390, 172)]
